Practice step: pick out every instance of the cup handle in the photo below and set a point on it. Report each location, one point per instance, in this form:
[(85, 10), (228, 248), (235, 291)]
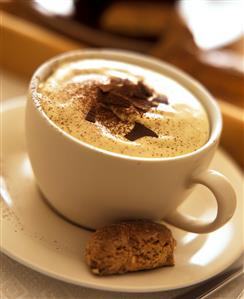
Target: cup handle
[(225, 196)]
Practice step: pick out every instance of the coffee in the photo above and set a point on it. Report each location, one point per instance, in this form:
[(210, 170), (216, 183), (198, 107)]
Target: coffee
[(124, 108)]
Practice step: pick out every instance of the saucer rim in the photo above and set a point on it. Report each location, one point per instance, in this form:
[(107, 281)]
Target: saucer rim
[(115, 288), (11, 104)]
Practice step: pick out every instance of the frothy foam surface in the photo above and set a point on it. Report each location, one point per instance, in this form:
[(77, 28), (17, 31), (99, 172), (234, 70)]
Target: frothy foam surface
[(69, 91)]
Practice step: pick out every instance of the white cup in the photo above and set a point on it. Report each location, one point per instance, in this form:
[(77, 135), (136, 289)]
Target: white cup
[(93, 187)]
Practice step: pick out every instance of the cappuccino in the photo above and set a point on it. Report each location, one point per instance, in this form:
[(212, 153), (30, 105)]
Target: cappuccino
[(123, 108)]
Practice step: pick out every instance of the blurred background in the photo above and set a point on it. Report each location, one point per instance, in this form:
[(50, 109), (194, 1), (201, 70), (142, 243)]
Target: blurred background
[(202, 37)]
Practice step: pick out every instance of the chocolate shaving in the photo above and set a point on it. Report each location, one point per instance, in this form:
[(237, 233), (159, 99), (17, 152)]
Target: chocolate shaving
[(91, 115), (142, 91), (117, 81), (127, 88), (105, 88), (126, 95), (112, 98), (139, 131), (162, 99), (132, 90), (114, 83), (125, 114), (125, 100), (143, 105)]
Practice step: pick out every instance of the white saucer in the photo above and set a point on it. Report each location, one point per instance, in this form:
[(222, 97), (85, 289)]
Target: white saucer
[(37, 237)]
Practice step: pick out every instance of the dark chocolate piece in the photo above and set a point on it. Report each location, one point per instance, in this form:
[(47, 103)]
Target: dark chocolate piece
[(126, 88), (143, 105), (143, 91), (140, 131), (124, 93), (125, 99), (162, 99), (124, 114), (91, 115), (105, 88), (115, 83), (112, 98)]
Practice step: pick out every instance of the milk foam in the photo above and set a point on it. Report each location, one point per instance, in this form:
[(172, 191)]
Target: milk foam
[(65, 96)]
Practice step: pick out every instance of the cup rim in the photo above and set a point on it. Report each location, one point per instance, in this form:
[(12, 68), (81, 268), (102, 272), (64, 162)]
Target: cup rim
[(196, 88)]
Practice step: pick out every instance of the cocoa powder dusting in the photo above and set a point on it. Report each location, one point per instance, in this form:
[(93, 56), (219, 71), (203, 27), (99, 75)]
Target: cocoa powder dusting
[(85, 99)]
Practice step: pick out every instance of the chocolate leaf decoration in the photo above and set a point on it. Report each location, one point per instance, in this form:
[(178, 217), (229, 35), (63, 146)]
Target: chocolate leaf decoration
[(91, 115), (139, 131)]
